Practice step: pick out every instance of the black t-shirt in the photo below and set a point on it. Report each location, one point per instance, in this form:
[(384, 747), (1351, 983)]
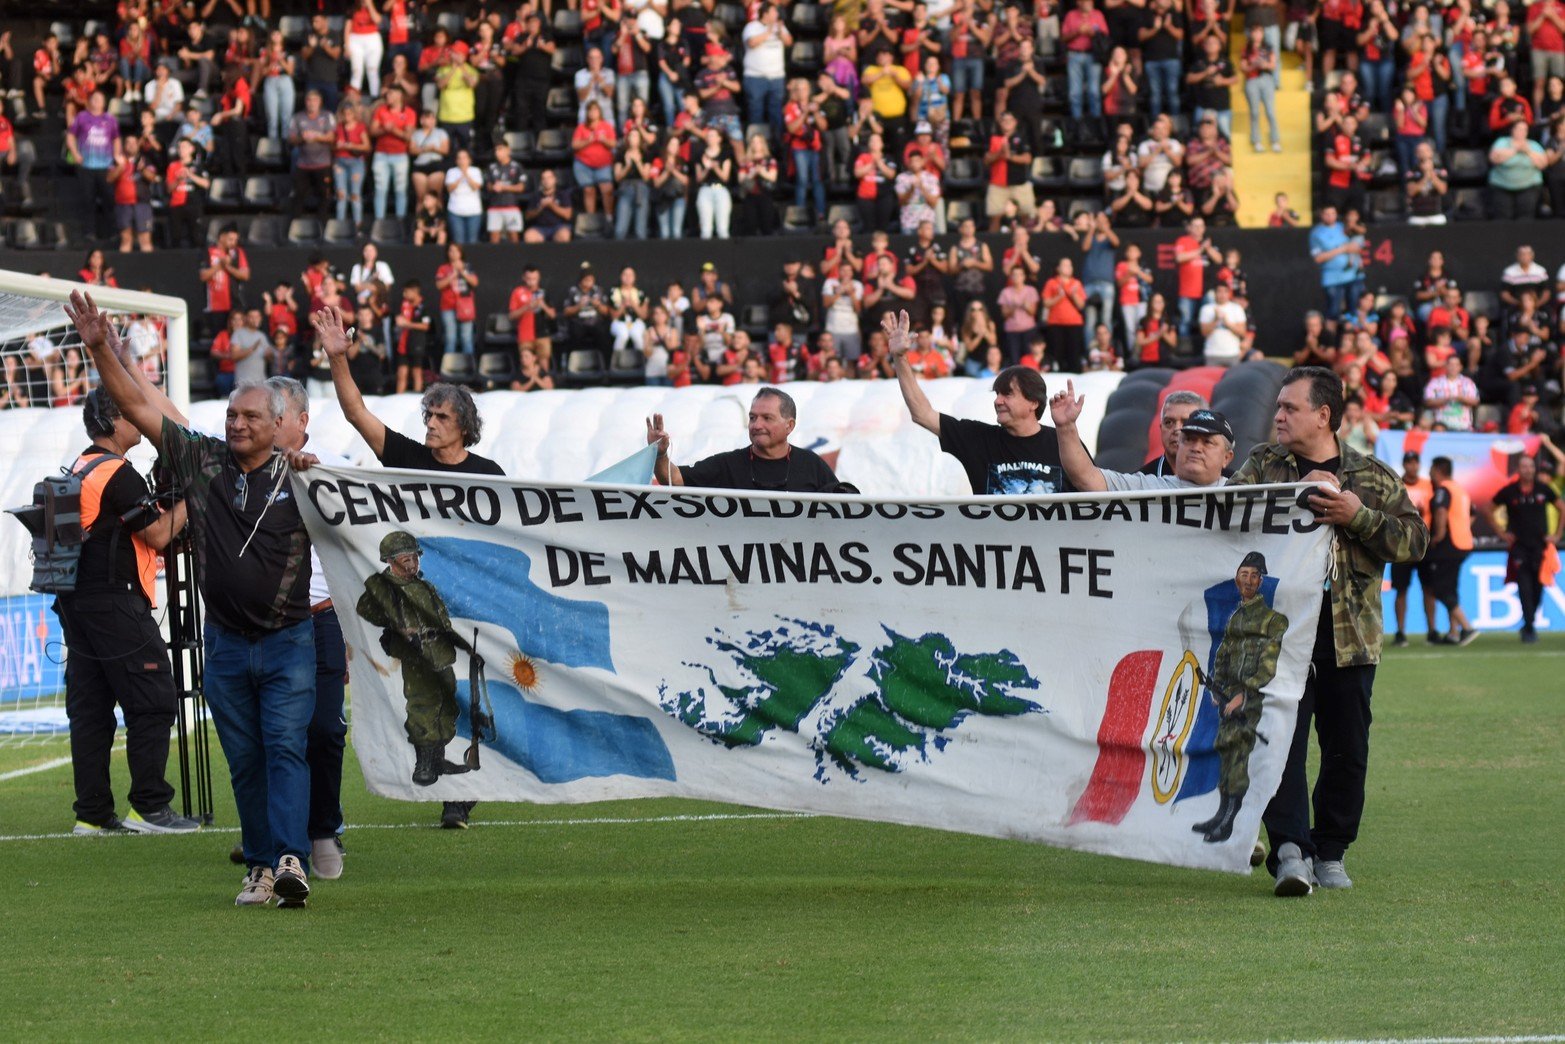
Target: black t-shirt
[(1161, 466), (1442, 548), (124, 490), (594, 305), (1325, 650), (1526, 514), (999, 462), (1026, 96), (1162, 46), (1208, 95), (801, 471), (534, 63), (509, 174), (402, 452)]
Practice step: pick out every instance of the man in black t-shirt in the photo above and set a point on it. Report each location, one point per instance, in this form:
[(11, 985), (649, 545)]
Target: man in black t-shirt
[(116, 652), (529, 48), (1016, 456), (451, 425), (1526, 531), (769, 462), (1450, 542)]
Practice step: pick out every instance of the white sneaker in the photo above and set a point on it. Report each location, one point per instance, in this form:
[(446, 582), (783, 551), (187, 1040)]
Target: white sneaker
[(258, 887), (326, 858), (288, 884), (1293, 872), (1330, 874)]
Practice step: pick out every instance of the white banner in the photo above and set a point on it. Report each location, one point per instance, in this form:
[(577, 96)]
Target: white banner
[(1091, 671)]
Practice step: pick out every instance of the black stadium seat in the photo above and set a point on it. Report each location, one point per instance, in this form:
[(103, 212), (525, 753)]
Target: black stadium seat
[(387, 231), (341, 233), (304, 231), (458, 368), (806, 57), (627, 366), (225, 194), (498, 331), (584, 366), (266, 231), (497, 369), (591, 226), (260, 193)]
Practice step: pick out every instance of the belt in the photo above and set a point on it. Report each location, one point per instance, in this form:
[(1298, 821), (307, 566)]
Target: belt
[(320, 607)]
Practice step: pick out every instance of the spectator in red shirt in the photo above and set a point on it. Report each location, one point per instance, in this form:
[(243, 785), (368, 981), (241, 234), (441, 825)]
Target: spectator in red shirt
[(876, 177), (1009, 158), (782, 354), (1081, 31), (48, 71), (392, 128), (96, 271), (593, 145), (348, 155), (1546, 39), (1064, 302), (1192, 252)]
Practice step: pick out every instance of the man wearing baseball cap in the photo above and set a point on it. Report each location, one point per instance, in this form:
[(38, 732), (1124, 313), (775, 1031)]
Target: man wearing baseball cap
[(1206, 446)]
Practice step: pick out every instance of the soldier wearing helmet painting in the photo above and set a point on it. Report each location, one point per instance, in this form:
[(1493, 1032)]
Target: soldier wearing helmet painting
[(416, 630)]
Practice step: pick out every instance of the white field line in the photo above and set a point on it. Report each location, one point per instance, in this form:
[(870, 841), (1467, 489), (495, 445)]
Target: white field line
[(45, 766), (714, 817), (1442, 1040)]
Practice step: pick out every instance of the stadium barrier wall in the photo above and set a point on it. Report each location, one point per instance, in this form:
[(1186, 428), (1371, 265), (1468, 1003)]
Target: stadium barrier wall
[(1282, 278)]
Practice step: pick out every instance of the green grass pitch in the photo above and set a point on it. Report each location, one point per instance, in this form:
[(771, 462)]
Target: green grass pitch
[(536, 925)]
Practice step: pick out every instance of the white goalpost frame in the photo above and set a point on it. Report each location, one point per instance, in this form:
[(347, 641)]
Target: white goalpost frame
[(111, 299)]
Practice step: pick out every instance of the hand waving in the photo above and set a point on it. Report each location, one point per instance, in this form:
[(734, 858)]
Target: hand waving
[(94, 327), (899, 332), (330, 331), (657, 435), (1065, 406)]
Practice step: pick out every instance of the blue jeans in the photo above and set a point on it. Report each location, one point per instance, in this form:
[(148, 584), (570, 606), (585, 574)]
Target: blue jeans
[(631, 85), (669, 94), (1458, 81), (763, 97), (1224, 118), (1084, 76), (262, 694), (391, 172), (456, 331), (328, 731), (1163, 80), (1339, 300), (277, 96), (1261, 93), (1189, 309), (1101, 300), (671, 218), (807, 179), (1439, 109), (464, 227), (1379, 82), (633, 201), (348, 173), (967, 74)]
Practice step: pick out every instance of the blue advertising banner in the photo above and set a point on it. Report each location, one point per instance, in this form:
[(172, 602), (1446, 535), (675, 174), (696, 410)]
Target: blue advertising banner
[(32, 649), (1490, 602)]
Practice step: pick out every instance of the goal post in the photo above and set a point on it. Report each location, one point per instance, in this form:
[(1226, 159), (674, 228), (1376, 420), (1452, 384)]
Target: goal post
[(31, 304)]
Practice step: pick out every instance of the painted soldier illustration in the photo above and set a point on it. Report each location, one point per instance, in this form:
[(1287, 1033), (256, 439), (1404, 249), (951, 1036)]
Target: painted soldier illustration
[(1246, 662), (416, 629)]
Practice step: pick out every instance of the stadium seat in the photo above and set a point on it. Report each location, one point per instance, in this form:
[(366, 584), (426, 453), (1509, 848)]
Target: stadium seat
[(304, 231), (567, 59), (260, 193), (270, 154), (845, 212), (266, 231), (732, 17), (1388, 205), (295, 30), (24, 235), (1468, 167), (1487, 417), (755, 320), (591, 226), (798, 221), (1467, 204), (1375, 130), (499, 332), (387, 231), (964, 174), (1084, 205), (1047, 175), (958, 211), (522, 145), (1482, 302), (807, 19), (752, 129), (806, 57), (123, 111), (203, 383), (224, 195), (1085, 174), (567, 24), (65, 31), (341, 233), (458, 368), (1384, 301), (583, 366), (451, 22), (627, 366), (497, 369), (215, 226), (560, 106)]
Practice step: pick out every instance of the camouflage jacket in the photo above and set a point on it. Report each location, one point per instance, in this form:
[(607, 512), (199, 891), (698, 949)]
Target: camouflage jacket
[(1386, 529), (1246, 659), (412, 613)]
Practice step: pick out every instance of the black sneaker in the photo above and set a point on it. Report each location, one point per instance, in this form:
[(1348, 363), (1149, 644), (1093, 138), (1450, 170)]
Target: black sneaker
[(1529, 636), (112, 825), (1439, 639), (164, 821), (1400, 641), (1467, 637), (454, 815)]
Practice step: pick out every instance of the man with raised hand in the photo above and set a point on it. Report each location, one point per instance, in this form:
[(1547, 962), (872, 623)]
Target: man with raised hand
[(1017, 454), (451, 425), (1375, 523), (1205, 445), (768, 462), (254, 574)]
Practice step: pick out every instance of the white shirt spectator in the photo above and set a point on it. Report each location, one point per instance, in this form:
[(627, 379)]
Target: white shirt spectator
[(1164, 155), (1223, 346), (940, 13), (360, 274), (1456, 415), (764, 60), (464, 198), (603, 93), (1517, 274), (842, 317), (166, 100)]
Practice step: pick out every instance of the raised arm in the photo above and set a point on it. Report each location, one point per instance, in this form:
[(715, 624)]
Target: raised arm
[(664, 470), (899, 337), (328, 324), (1065, 409), (95, 330)]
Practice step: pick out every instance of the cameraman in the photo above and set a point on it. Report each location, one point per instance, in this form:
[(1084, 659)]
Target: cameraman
[(116, 653)]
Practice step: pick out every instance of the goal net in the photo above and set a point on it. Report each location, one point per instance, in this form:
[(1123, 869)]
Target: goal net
[(46, 373)]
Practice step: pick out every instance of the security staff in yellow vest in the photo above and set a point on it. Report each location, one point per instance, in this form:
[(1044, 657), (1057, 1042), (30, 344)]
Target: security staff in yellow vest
[(1450, 542), (114, 653)]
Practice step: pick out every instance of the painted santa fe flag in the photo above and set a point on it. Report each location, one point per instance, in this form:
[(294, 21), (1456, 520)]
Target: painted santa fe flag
[(1055, 669)]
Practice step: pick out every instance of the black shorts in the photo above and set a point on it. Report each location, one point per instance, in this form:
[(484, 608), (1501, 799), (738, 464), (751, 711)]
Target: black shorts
[(1441, 578), (1334, 36), (1402, 575)]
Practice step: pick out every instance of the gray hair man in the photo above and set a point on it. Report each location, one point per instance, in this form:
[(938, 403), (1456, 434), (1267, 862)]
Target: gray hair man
[(1176, 407)]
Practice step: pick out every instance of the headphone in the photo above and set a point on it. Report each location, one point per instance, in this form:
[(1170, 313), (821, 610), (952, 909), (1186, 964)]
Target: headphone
[(98, 414)]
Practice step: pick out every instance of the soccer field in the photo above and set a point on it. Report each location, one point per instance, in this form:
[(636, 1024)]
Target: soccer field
[(673, 919)]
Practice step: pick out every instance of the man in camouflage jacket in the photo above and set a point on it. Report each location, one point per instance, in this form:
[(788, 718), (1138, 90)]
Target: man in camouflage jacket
[(1375, 523)]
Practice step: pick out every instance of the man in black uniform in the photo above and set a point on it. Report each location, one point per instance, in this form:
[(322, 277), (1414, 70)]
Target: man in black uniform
[(451, 425), (1526, 502), (1017, 455), (116, 653), (769, 462)]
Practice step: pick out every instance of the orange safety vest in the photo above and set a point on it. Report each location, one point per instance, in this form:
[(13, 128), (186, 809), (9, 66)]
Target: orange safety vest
[(92, 496), (1459, 518), (1420, 493)]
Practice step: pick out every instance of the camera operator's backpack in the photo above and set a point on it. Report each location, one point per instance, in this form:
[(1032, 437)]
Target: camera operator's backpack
[(55, 520)]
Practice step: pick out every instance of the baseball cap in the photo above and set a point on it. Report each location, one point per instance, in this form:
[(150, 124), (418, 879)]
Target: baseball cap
[(707, 266), (923, 127), (1209, 422), (460, 47), (1410, 456), (1529, 389)]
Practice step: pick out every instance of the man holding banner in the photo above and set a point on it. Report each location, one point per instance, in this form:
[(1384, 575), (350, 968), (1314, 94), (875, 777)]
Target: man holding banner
[(1018, 455), (1375, 523), (769, 462), (1204, 447)]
